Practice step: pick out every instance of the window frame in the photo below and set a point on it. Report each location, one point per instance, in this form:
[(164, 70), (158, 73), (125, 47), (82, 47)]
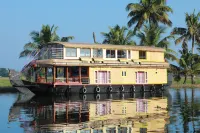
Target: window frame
[(121, 51), (70, 52), (101, 56), (85, 53), (129, 54), (110, 50), (142, 54), (123, 73)]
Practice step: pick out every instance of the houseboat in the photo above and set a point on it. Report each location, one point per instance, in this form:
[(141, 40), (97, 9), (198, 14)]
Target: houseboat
[(62, 67), (51, 114)]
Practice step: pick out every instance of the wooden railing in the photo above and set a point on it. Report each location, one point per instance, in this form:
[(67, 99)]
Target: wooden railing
[(83, 80)]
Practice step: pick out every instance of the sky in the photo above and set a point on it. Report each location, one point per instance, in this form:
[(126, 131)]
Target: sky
[(73, 17)]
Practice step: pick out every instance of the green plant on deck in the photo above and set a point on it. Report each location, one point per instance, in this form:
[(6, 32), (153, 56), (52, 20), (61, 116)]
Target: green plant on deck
[(40, 38)]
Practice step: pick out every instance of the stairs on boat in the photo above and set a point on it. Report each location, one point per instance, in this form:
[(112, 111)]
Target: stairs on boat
[(17, 82)]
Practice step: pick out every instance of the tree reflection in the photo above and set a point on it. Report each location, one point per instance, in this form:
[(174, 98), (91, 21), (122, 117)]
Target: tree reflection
[(185, 110)]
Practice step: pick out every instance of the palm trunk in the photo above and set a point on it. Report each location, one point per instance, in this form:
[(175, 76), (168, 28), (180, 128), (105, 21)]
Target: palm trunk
[(192, 79), (185, 79), (192, 76), (94, 37), (193, 38)]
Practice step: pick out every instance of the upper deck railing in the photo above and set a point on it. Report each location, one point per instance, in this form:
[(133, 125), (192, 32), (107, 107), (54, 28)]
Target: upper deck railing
[(94, 54), (51, 53)]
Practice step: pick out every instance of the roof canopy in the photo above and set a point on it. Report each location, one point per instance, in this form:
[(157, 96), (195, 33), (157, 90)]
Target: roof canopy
[(108, 46)]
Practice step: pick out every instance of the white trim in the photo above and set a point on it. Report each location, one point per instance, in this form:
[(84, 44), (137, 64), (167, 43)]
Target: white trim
[(91, 52), (77, 54)]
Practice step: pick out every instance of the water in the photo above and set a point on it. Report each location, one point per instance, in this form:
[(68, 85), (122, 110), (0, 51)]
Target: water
[(177, 110)]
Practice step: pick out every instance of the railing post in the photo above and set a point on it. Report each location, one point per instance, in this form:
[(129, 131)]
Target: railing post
[(80, 74), (54, 74), (46, 73), (35, 71), (67, 75)]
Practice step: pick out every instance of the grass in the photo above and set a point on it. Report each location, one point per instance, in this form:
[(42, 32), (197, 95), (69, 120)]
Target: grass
[(5, 82), (187, 84)]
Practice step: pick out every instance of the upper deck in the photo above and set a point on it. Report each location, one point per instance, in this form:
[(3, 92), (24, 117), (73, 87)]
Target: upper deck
[(63, 52)]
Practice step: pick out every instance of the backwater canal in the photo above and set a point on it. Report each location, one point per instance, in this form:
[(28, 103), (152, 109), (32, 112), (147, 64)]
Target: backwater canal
[(175, 110)]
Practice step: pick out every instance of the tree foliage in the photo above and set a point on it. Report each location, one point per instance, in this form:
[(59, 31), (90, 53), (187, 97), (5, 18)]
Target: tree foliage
[(3, 72), (119, 36), (191, 32), (148, 11), (40, 38), (152, 36)]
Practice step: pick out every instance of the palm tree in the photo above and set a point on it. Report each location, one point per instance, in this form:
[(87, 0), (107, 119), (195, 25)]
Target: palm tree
[(152, 36), (148, 11), (118, 36), (191, 32), (39, 39), (190, 65), (184, 61)]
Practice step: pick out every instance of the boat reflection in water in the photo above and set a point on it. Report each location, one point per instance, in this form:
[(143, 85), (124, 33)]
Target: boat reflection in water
[(116, 113)]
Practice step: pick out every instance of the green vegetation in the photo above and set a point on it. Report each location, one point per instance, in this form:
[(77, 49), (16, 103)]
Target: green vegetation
[(153, 36), (39, 39), (148, 11), (3, 72), (197, 79), (4, 82), (189, 62), (118, 36)]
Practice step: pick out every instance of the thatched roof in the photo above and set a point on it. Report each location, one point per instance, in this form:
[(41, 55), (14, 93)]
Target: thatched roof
[(109, 46)]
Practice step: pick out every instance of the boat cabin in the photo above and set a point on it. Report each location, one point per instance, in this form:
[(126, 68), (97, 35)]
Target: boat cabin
[(62, 63)]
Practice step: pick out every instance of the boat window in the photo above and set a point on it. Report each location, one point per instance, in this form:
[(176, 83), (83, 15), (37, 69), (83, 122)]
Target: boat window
[(98, 53), (84, 71), (85, 53), (71, 52), (121, 53), (123, 73), (110, 53), (41, 75), (49, 75), (60, 74), (73, 71), (142, 54)]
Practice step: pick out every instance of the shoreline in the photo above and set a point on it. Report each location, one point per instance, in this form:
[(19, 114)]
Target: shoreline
[(178, 86)]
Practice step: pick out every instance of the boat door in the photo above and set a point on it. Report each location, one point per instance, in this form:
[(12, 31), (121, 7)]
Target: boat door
[(141, 77), (102, 75)]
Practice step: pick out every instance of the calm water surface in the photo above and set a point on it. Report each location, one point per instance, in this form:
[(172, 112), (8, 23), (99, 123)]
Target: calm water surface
[(172, 111)]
